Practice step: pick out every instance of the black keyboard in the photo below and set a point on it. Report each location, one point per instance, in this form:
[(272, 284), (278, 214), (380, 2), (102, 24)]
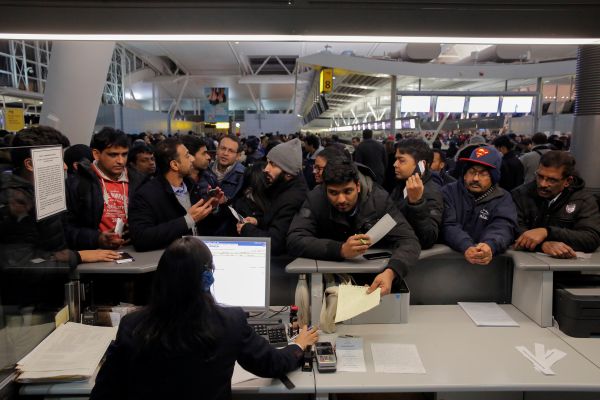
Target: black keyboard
[(274, 333)]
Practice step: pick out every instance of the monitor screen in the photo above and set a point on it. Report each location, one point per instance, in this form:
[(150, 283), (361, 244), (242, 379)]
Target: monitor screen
[(450, 104), (415, 104), (483, 104), (241, 271), (517, 104)]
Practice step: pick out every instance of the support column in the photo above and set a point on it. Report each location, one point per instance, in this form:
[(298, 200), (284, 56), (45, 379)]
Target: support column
[(76, 79), (538, 105), (393, 100), (586, 130)]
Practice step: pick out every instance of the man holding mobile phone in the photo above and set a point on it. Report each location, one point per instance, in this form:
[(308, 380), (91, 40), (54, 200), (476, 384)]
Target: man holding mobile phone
[(418, 192), (166, 208)]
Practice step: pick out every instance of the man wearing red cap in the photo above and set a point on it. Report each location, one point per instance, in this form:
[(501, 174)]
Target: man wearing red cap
[(480, 218)]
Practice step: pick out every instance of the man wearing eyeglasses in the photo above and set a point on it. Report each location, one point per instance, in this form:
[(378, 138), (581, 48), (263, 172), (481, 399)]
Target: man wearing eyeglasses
[(479, 218), (556, 215)]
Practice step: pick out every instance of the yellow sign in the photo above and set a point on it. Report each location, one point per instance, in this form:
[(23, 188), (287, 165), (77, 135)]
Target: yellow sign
[(15, 119), (326, 80)]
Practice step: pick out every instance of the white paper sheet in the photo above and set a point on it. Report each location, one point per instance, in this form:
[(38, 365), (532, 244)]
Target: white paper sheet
[(354, 300), (48, 181), (381, 228), (397, 358), (350, 354), (241, 375), (487, 314)]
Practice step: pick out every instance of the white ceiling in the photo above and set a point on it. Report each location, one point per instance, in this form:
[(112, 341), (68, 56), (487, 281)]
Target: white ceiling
[(223, 64)]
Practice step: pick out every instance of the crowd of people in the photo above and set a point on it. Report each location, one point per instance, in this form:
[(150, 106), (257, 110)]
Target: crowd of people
[(310, 195), (316, 199)]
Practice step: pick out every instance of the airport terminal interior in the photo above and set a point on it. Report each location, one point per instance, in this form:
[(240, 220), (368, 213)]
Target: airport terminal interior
[(441, 153)]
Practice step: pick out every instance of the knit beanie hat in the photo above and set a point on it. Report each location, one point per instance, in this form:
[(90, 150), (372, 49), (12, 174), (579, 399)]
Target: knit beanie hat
[(287, 156), (487, 156)]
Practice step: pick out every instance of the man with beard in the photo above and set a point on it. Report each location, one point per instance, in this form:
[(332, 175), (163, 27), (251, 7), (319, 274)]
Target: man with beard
[(479, 217), (334, 219), (556, 215), (285, 193)]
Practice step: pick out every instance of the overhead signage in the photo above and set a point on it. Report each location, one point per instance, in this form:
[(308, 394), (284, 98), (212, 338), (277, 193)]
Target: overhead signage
[(326, 80)]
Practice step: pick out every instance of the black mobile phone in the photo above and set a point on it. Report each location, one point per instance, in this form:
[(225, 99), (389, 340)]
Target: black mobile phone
[(211, 193), (377, 256), (125, 258)]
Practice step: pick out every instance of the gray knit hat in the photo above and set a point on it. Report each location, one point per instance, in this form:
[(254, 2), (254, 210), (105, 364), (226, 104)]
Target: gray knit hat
[(287, 156)]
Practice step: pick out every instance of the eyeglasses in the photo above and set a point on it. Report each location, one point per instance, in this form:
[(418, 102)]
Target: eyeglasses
[(318, 169), (226, 150), (481, 173)]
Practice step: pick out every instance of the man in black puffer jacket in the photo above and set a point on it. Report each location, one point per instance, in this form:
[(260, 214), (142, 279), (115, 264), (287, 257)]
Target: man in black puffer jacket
[(332, 223), (556, 215), (285, 193)]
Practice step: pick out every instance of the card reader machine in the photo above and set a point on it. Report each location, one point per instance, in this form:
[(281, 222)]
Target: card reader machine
[(326, 360)]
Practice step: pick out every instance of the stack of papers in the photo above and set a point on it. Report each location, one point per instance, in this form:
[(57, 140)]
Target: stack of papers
[(487, 314), (71, 353)]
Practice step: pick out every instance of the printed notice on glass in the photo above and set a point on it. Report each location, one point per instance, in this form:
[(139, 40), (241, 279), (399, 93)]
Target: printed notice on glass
[(48, 181)]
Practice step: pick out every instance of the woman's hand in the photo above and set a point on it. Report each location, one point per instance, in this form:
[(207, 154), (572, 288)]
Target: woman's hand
[(306, 337)]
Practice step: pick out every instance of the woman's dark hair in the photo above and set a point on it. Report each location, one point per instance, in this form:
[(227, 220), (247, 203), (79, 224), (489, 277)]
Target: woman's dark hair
[(177, 318), (417, 149), (255, 185), (339, 172), (559, 159)]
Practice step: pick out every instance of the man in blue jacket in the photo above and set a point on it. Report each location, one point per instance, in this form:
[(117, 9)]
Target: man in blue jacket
[(480, 218)]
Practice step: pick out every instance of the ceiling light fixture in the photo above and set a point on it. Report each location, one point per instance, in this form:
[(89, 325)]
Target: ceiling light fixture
[(301, 38)]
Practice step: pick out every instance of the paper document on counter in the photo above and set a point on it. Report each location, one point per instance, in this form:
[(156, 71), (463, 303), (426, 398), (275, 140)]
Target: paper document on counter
[(487, 314), (381, 228), (241, 375), (397, 358), (350, 354), (72, 352), (354, 300)]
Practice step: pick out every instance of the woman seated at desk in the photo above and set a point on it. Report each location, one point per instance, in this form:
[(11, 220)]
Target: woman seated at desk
[(184, 345)]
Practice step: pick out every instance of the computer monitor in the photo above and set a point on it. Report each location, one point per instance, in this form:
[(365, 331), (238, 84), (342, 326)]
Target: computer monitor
[(241, 273)]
